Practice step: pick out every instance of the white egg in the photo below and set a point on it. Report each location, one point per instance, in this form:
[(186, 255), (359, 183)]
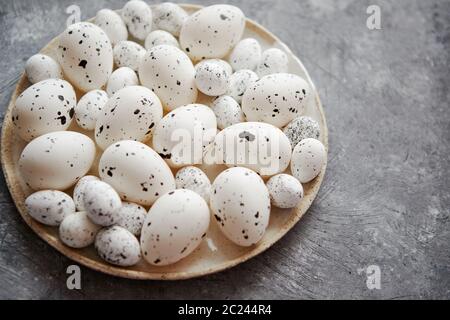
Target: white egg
[(212, 32), (211, 78), (194, 179), (174, 227), (118, 246), (41, 67), (101, 202), (85, 55), (77, 230), (136, 172), (239, 82), (228, 112), (246, 55), (285, 191), (240, 203), (49, 207), (308, 158), (130, 114), (56, 160), (128, 54), (169, 73), (225, 65), (121, 78), (169, 17), (113, 25), (272, 61), (131, 217), (276, 99), (302, 128), (46, 106), (78, 191), (159, 37), (138, 17), (89, 107)]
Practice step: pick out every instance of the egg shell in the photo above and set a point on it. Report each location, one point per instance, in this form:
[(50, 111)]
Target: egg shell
[(169, 73), (49, 207), (240, 203), (121, 78), (41, 67), (78, 191), (273, 61), (276, 99), (131, 217), (211, 78), (212, 31), (89, 107), (85, 55), (239, 82), (194, 179), (118, 246), (225, 65), (302, 128), (138, 17), (128, 54), (228, 112), (131, 113), (169, 17), (159, 37), (101, 202), (174, 227), (56, 160), (77, 230), (246, 55), (285, 191), (182, 134), (136, 172), (308, 158), (113, 25)]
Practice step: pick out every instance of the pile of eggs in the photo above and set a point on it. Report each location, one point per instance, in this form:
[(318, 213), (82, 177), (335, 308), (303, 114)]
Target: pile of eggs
[(126, 83)]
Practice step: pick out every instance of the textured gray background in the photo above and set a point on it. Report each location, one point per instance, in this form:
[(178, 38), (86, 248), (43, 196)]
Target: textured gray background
[(385, 200)]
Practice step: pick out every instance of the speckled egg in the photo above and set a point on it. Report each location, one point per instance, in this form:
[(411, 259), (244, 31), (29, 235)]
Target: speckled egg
[(56, 160), (89, 107), (113, 25), (130, 114), (239, 82), (225, 65), (101, 202), (128, 54), (228, 112), (192, 178), (169, 17), (285, 191), (46, 106), (211, 78), (49, 207), (41, 67), (308, 158), (136, 172), (77, 230), (242, 212), (159, 37), (138, 17), (118, 246), (272, 61), (174, 227), (246, 55), (78, 191), (276, 99), (121, 78), (131, 217), (302, 128), (85, 55)]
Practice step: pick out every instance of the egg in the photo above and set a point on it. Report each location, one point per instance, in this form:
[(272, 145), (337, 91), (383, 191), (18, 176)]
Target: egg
[(239, 82), (46, 106), (240, 203), (308, 158), (101, 202), (56, 160), (228, 112), (85, 55), (118, 246), (211, 78), (169, 17), (169, 73), (302, 128), (246, 55), (130, 114), (276, 99), (131, 217), (174, 227), (49, 207), (212, 32), (113, 25), (222, 63), (285, 191), (77, 231), (159, 37), (78, 191), (193, 178), (128, 54), (254, 145), (88, 108), (41, 67), (138, 17), (121, 78), (136, 172), (182, 134), (272, 61)]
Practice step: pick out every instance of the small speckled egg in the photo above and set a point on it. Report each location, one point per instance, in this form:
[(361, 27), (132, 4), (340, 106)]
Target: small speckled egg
[(138, 17), (174, 227), (302, 128), (41, 67), (246, 55), (131, 217), (159, 37), (85, 55), (228, 112), (169, 17), (56, 160), (239, 82), (128, 54), (130, 114), (101, 202), (212, 31), (211, 78), (136, 171), (272, 61), (225, 65), (118, 246), (192, 178), (285, 191), (113, 25), (276, 99), (121, 78), (240, 203), (88, 108), (77, 230), (78, 191), (308, 158), (46, 106), (49, 207)]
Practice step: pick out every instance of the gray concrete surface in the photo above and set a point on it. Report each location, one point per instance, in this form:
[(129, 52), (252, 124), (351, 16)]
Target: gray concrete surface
[(385, 200)]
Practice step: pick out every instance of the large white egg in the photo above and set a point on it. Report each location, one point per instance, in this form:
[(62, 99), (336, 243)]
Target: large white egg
[(41, 67), (308, 158), (113, 25), (138, 17)]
